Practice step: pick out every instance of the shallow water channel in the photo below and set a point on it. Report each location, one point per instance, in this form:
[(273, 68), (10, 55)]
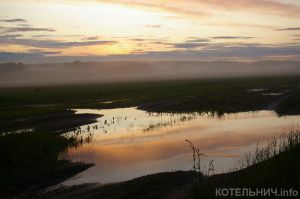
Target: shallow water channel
[(127, 143)]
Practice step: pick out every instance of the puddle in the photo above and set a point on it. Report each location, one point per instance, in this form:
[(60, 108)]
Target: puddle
[(273, 94), (255, 90)]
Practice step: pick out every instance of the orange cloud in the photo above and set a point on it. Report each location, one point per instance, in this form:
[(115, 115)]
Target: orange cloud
[(199, 7)]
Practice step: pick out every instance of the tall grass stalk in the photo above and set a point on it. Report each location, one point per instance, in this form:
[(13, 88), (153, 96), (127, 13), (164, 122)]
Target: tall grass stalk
[(277, 145), (196, 159)]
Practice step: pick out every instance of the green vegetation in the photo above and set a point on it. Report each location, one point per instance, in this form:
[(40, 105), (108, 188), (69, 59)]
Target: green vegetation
[(30, 161), (31, 157), (290, 105), (57, 122), (275, 166), (214, 95)]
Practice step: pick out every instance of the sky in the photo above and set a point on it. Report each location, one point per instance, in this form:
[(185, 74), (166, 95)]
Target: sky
[(95, 30)]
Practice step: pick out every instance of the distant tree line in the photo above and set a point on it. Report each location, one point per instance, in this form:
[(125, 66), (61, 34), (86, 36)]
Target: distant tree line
[(11, 67)]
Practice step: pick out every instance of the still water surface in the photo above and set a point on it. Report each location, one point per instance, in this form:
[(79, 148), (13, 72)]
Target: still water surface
[(127, 143)]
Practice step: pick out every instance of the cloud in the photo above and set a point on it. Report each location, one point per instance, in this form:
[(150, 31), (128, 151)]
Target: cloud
[(26, 29), (41, 52), (191, 44), (40, 36), (23, 27), (264, 6), (288, 29), (297, 37), (225, 52), (153, 26), (196, 7), (160, 5), (139, 39), (8, 39), (10, 36), (91, 38), (208, 52), (232, 37), (248, 25), (197, 40), (13, 20), (194, 42), (19, 57)]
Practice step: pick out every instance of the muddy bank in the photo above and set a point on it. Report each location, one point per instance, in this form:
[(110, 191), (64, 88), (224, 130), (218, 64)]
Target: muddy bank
[(57, 122), (161, 185), (285, 104), (32, 161), (34, 185), (290, 105), (64, 122)]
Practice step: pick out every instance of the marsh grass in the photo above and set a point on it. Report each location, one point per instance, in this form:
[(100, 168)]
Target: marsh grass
[(211, 168), (272, 148), (274, 165), (32, 160), (196, 154), (196, 159), (218, 95)]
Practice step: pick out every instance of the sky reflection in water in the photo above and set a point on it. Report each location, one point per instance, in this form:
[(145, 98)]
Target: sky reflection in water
[(128, 143)]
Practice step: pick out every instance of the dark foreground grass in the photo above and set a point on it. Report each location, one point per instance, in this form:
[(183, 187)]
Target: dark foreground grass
[(275, 166), (30, 162), (161, 185), (290, 105), (56, 122), (280, 170)]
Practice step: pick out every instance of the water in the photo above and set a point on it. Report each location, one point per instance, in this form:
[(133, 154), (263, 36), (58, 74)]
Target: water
[(128, 143)]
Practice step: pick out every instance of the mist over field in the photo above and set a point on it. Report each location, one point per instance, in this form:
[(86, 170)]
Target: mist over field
[(99, 72), (149, 99)]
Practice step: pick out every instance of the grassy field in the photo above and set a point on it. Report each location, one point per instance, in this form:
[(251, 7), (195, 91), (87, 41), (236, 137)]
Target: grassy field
[(19, 107), (30, 158), (30, 162), (291, 105)]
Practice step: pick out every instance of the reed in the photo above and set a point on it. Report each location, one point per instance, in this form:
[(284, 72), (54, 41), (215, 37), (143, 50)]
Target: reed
[(274, 147), (196, 159)]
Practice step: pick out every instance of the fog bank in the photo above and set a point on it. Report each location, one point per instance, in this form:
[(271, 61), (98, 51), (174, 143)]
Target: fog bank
[(12, 74)]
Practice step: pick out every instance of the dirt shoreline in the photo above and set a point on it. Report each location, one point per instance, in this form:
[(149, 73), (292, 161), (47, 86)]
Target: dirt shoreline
[(57, 122), (56, 176)]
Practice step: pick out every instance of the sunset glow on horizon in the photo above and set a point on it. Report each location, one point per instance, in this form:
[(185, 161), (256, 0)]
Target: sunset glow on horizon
[(131, 29)]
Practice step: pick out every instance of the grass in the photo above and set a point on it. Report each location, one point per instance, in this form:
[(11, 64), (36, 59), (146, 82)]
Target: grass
[(30, 158), (30, 161), (276, 165), (196, 159), (58, 122), (160, 185), (37, 100), (291, 105), (19, 106)]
